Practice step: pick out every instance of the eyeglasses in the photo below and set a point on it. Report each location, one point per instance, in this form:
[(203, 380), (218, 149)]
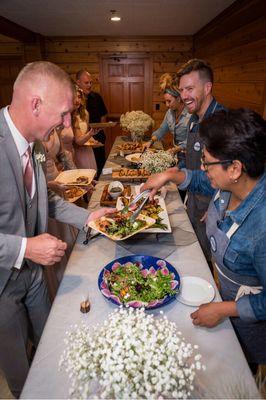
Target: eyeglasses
[(206, 164)]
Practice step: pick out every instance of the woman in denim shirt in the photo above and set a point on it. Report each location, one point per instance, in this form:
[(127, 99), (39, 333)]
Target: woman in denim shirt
[(233, 162), (176, 118)]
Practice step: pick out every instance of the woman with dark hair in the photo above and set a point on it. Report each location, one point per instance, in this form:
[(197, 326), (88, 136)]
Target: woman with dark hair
[(233, 170)]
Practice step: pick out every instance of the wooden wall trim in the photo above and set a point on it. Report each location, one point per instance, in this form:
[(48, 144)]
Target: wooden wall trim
[(240, 13), (16, 31), (178, 38)]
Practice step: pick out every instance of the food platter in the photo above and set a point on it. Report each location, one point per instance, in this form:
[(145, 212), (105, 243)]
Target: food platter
[(93, 143), (117, 226), (164, 279), (76, 177), (132, 147), (73, 194), (99, 125), (126, 174), (134, 158), (156, 210)]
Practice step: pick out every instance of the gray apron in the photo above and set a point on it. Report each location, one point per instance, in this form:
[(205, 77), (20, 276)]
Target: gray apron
[(252, 335), (197, 204)]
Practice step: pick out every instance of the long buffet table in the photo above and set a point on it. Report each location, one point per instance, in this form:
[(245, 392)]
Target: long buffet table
[(227, 373)]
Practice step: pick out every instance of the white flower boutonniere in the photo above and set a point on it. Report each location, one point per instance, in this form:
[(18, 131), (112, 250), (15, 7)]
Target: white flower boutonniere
[(40, 158)]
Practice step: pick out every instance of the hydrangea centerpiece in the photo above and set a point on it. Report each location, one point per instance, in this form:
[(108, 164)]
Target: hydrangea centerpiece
[(157, 162), (133, 355), (137, 123)]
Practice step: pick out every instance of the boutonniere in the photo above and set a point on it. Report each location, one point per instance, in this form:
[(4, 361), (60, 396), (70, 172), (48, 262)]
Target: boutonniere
[(40, 158)]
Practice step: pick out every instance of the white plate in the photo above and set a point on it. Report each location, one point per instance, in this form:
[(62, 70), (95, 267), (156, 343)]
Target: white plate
[(163, 214), (195, 291), (70, 176), (134, 158)]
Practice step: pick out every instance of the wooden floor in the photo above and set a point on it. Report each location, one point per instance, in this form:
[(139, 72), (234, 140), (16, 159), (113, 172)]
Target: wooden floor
[(4, 390)]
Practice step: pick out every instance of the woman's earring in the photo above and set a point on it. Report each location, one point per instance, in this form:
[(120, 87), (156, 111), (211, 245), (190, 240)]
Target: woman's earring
[(236, 180)]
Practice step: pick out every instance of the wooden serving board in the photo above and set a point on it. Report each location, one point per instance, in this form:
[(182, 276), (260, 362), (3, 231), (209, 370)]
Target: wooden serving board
[(99, 125), (108, 201), (131, 147), (126, 174)]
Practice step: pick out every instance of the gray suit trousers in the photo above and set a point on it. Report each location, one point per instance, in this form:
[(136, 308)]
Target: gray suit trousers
[(24, 308)]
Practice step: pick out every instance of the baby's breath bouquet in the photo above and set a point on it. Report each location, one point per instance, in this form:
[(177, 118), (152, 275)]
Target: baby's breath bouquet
[(137, 123), (157, 162), (132, 356)]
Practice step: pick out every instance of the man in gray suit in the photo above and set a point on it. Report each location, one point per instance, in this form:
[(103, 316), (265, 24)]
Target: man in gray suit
[(42, 101)]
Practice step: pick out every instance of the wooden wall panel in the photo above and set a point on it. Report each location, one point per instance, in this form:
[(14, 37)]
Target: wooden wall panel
[(237, 54), (167, 54)]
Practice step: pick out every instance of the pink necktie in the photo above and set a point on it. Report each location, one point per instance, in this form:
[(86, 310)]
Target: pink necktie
[(28, 170)]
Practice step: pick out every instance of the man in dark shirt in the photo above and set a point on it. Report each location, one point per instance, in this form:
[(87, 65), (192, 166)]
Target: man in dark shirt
[(97, 111), (195, 85)]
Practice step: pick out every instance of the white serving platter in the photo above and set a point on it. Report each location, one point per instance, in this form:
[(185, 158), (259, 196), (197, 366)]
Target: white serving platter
[(163, 214)]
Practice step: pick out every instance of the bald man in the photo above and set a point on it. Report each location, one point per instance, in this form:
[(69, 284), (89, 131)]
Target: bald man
[(97, 112), (42, 101)]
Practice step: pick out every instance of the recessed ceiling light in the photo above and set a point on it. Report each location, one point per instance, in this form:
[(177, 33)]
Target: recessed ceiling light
[(114, 16)]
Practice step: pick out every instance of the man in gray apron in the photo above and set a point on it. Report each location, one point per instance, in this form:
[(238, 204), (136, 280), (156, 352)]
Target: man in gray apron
[(195, 85)]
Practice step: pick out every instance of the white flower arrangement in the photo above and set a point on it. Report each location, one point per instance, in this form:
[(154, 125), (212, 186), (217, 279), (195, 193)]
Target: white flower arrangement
[(137, 123), (132, 356), (40, 158), (157, 162)]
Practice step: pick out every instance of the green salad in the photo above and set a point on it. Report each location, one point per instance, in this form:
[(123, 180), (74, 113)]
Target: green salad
[(124, 227), (128, 283)]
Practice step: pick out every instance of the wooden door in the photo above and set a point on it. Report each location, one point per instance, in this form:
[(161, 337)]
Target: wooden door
[(126, 85), (9, 69)]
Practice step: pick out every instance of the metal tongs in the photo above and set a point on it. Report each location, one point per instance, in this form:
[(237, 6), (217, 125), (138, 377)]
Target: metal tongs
[(136, 212), (89, 236)]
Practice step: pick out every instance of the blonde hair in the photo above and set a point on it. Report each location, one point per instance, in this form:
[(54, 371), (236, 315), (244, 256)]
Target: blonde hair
[(169, 84), (81, 111), (39, 72)]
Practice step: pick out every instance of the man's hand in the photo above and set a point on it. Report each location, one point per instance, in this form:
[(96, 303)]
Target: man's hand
[(174, 150), (58, 187), (45, 249), (212, 314), (100, 213), (146, 145)]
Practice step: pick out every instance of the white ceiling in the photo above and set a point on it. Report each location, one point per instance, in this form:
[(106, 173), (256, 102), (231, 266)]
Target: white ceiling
[(91, 17)]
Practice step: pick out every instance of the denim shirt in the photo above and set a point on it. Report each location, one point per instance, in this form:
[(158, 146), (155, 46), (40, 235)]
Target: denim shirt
[(246, 253), (178, 129)]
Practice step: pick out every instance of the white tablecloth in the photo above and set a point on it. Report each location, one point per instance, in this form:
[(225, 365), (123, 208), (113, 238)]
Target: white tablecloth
[(227, 371)]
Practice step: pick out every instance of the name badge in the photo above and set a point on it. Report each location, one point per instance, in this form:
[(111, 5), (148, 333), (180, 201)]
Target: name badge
[(197, 146), (213, 244)]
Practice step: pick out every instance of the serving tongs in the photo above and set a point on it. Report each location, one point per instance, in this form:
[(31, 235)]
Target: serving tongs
[(89, 236), (130, 206)]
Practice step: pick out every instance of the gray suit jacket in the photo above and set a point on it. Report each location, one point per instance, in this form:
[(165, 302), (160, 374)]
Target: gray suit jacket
[(12, 203)]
